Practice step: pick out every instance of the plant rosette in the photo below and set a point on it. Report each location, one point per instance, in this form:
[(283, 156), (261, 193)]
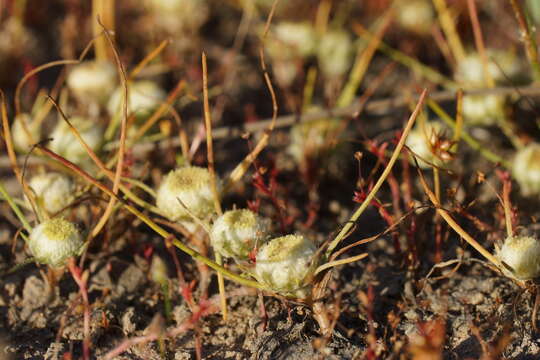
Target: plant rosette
[(236, 233), (285, 265)]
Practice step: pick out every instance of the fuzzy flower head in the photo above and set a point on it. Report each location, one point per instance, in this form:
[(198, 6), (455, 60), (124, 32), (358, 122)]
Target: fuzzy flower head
[(526, 169), (334, 53), (522, 256), (23, 140), (143, 98), (415, 15), (502, 66), (285, 263), (65, 143), (192, 186), (311, 139), (237, 232), (483, 110), (92, 81), (54, 241), (53, 191)]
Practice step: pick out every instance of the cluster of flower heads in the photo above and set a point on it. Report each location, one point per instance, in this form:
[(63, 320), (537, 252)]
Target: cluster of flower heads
[(283, 264)]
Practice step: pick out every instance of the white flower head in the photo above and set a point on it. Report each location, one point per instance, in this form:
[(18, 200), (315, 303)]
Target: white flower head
[(143, 98), (483, 110), (55, 240), (158, 270), (53, 191), (522, 256), (309, 139), (64, 143), (93, 81), (526, 169), (285, 263), (334, 53), (23, 140), (190, 187), (237, 232), (502, 66), (415, 15)]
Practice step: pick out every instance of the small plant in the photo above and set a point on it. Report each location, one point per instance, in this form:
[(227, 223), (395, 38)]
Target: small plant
[(54, 241), (237, 233), (186, 190), (526, 169)]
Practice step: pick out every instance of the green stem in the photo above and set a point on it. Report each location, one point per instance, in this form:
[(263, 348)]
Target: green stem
[(15, 208)]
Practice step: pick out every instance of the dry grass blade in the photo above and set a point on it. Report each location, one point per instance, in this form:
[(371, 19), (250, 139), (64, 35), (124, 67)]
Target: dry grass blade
[(454, 225), (528, 39), (479, 40)]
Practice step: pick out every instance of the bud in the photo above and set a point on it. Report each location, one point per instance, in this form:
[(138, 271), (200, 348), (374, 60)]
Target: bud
[(192, 186), (522, 255), (526, 169), (92, 81), (54, 241), (53, 191), (158, 271), (237, 232), (285, 263)]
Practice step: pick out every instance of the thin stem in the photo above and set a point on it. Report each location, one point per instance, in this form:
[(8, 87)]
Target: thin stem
[(345, 230), (528, 39), (15, 208), (449, 27)]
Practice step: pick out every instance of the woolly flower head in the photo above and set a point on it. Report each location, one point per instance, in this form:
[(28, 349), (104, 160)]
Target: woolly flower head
[(53, 191), (483, 109), (415, 15), (55, 240), (67, 145), (285, 263), (522, 255), (309, 139), (192, 186), (237, 232), (22, 140), (143, 98), (526, 169), (92, 81), (334, 52), (502, 65)]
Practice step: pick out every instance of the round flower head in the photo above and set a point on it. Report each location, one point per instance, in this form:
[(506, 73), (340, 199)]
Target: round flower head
[(483, 109), (180, 15), (192, 186), (284, 264), (143, 97), (55, 240), (309, 139), (422, 140), (298, 37), (526, 169), (501, 66), (415, 15), (522, 256), (64, 143), (237, 232), (92, 81), (53, 191), (334, 52), (23, 140)]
